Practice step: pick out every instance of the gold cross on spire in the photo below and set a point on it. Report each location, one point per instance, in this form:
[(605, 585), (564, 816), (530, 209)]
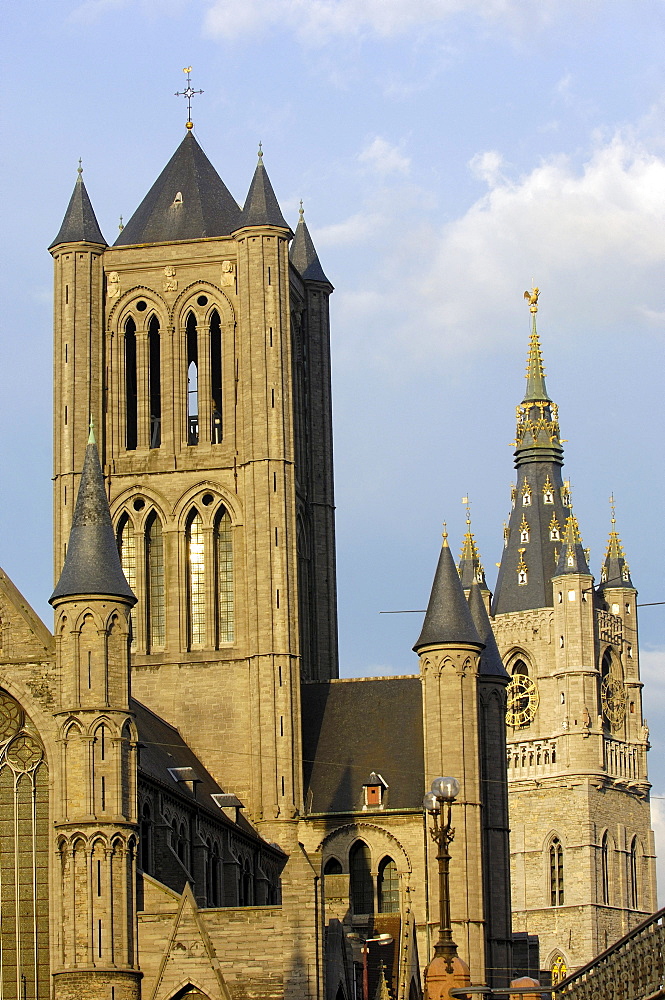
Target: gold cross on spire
[(188, 93), (613, 509)]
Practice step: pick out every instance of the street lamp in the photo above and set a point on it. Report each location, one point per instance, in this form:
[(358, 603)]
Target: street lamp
[(438, 804), (364, 950)]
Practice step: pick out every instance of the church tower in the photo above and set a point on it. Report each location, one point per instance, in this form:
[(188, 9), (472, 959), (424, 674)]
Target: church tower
[(582, 853), (201, 349), (96, 825)]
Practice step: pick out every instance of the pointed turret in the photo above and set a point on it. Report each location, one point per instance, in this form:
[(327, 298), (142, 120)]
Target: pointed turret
[(261, 205), (470, 568), (92, 564), (615, 571), (80, 223), (572, 557), (303, 255), (491, 664), (540, 500), (188, 201), (448, 618)]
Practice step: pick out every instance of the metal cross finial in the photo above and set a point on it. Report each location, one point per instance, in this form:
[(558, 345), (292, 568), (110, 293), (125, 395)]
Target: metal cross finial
[(79, 169), (188, 93), (613, 509), (445, 533), (465, 500), (121, 224), (260, 152), (301, 212)]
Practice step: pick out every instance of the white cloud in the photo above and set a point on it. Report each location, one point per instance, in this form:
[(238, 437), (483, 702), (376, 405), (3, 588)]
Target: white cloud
[(590, 235), (384, 158), (317, 20)]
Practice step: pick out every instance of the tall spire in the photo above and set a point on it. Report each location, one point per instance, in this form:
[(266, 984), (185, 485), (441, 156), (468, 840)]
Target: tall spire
[(615, 571), (448, 618), (572, 557), (470, 568), (80, 223), (261, 206), (92, 564), (537, 434), (303, 255)]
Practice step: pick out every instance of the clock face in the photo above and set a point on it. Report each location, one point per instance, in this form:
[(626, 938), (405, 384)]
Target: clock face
[(613, 697), (522, 701)]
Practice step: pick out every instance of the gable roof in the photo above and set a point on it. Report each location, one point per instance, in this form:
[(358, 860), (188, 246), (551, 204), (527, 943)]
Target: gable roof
[(351, 728), (188, 201)]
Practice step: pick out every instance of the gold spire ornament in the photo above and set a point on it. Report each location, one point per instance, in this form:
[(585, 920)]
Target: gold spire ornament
[(532, 299)]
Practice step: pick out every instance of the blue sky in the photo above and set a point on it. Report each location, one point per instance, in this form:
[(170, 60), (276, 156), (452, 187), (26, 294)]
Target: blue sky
[(447, 152)]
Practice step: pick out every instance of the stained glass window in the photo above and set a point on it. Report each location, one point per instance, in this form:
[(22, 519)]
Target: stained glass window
[(196, 565), (388, 886), (224, 556), (156, 590)]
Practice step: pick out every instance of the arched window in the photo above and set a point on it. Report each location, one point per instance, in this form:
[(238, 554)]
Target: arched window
[(216, 427), (556, 872), (131, 411), (246, 885), (558, 970), (196, 573), (214, 898), (156, 618), (154, 380), (127, 549), (633, 887), (388, 886), (332, 867), (224, 560), (146, 838), (605, 868), (362, 887), (192, 380)]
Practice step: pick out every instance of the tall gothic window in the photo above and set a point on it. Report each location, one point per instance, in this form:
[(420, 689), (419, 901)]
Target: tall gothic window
[(146, 838), (196, 572), (362, 887), (224, 559), (556, 872), (127, 547), (154, 379), (633, 887), (216, 378), (388, 886), (24, 943), (192, 380), (605, 868), (131, 399), (155, 579)]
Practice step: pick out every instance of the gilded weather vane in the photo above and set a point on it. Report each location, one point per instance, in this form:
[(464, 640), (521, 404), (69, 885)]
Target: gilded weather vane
[(532, 299), (188, 93)]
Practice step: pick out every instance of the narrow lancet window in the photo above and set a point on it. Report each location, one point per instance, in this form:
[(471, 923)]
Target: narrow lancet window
[(216, 378), (556, 872), (130, 385), (192, 381), (196, 570), (127, 548), (154, 375), (156, 590), (224, 557)]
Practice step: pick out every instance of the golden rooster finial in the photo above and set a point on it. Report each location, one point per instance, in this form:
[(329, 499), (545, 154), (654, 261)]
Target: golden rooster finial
[(532, 299)]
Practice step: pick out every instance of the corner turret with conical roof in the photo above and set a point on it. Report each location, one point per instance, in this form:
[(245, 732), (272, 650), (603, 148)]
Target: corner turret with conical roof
[(540, 499), (303, 254), (261, 207), (615, 570), (470, 567), (80, 222), (448, 618)]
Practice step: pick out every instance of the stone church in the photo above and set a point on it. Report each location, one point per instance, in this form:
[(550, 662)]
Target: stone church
[(192, 802)]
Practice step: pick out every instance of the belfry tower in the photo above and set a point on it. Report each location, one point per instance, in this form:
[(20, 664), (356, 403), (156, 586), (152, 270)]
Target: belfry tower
[(582, 855), (201, 350)]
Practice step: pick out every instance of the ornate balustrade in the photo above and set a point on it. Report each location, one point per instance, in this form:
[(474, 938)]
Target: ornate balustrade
[(531, 757), (632, 969), (623, 760), (609, 627)]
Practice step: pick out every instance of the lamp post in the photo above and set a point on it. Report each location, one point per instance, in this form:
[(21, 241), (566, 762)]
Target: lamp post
[(438, 804), (364, 951)]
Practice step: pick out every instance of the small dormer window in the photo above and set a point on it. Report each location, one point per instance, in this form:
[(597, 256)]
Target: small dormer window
[(526, 494), (522, 572), (555, 532), (374, 792), (178, 198), (506, 534), (524, 530), (570, 561), (513, 494)]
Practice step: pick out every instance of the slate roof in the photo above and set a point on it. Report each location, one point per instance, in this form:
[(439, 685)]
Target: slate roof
[(162, 748), (572, 558), (448, 618), (615, 571), (261, 206), (491, 664), (188, 201), (80, 223), (92, 564), (303, 255), (353, 727)]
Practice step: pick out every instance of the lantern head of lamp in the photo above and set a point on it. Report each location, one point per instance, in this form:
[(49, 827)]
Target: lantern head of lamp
[(445, 789)]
